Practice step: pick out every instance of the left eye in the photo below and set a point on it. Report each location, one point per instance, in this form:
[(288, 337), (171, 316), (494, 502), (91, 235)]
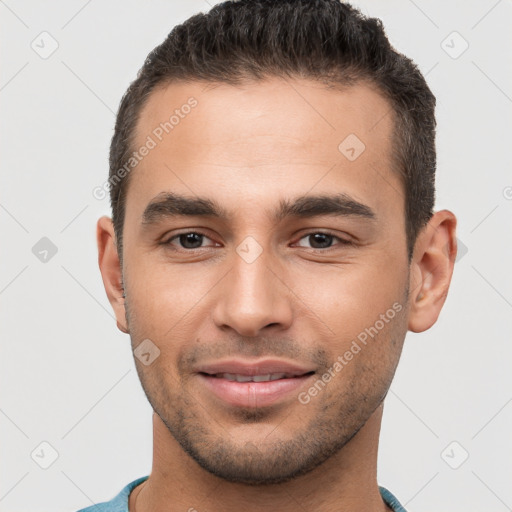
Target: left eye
[(321, 240)]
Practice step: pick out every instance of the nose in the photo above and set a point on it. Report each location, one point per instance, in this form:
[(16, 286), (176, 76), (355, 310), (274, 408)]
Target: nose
[(253, 297)]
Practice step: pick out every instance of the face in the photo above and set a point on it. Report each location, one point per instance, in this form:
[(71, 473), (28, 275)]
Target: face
[(257, 247)]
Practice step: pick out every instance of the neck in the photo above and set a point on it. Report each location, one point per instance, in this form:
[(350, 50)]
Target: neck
[(347, 480)]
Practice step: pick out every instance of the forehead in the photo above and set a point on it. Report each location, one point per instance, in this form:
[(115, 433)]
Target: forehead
[(265, 137)]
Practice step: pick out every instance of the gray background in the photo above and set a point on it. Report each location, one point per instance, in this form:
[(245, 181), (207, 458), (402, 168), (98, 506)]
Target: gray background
[(67, 374)]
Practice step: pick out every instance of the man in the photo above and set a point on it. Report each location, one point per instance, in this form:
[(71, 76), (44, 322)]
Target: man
[(294, 149)]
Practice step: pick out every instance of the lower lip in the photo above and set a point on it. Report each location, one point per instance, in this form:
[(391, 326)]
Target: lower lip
[(253, 394)]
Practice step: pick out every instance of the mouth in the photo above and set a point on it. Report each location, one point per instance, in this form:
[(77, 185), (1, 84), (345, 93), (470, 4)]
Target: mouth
[(236, 377), (261, 384)]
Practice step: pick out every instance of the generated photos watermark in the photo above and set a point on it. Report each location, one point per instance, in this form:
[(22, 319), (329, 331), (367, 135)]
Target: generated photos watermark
[(342, 360), (157, 135)]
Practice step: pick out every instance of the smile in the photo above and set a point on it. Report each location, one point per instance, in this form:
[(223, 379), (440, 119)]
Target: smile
[(253, 378)]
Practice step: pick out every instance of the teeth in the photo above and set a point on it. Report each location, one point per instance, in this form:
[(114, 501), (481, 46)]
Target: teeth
[(251, 378)]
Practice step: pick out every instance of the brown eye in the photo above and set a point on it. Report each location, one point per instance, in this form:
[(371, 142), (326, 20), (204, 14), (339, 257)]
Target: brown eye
[(320, 240), (189, 241)]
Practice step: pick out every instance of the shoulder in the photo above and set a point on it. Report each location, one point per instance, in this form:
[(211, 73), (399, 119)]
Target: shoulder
[(117, 504), (390, 500)]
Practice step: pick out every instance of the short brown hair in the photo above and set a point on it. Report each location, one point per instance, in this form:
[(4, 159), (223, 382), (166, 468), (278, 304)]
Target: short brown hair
[(325, 40)]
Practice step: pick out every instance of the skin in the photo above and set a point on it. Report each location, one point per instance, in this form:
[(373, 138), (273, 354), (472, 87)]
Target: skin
[(248, 147)]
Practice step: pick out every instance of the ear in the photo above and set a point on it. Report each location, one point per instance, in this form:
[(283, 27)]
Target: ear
[(431, 270), (110, 269)]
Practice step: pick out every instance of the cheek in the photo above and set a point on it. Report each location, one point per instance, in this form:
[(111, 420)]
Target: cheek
[(351, 295), (357, 314), (163, 297)]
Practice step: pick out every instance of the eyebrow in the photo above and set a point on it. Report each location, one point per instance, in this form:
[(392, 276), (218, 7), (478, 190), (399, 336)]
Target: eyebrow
[(169, 205), (339, 205)]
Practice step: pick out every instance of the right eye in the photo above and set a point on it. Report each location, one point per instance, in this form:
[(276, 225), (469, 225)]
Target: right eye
[(189, 240)]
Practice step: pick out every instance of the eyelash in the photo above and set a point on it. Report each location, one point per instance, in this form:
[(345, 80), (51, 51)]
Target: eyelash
[(341, 241)]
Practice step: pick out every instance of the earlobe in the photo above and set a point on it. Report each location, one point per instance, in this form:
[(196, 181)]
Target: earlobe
[(110, 268), (431, 270)]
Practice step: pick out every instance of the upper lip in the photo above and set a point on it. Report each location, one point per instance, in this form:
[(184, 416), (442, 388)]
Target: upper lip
[(251, 368)]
